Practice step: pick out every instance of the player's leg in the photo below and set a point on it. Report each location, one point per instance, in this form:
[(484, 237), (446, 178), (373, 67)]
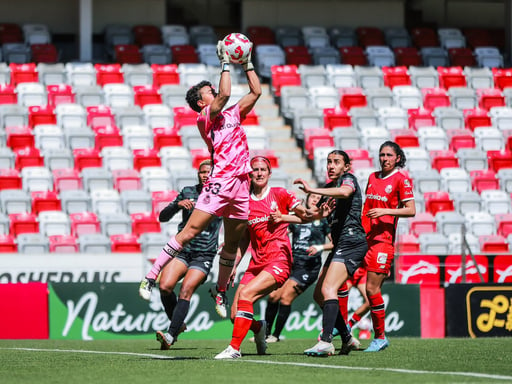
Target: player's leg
[(290, 291), (272, 308), (197, 222), (363, 309), (377, 308)]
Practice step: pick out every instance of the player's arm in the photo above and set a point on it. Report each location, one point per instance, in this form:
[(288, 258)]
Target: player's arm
[(342, 192), (224, 94), (406, 209), (327, 246), (172, 209), (247, 102)]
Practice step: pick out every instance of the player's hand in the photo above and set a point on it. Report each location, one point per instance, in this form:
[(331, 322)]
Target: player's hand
[(276, 216), (186, 204), (231, 280), (222, 54), (303, 185), (314, 249), (247, 64)]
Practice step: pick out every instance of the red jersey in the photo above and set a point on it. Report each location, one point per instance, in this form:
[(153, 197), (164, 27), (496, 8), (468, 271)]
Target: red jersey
[(388, 192), (269, 240)]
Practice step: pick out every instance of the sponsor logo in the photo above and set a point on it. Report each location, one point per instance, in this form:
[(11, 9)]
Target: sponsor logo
[(504, 274), (371, 196), (382, 257), (421, 268), (305, 277), (471, 269), (489, 311), (277, 270), (257, 220)]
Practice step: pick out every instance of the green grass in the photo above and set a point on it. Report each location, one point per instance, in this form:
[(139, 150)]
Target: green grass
[(407, 360)]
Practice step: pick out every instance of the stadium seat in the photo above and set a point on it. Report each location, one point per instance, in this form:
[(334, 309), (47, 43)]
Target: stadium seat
[(136, 201), (312, 75), (156, 54), (504, 224), (165, 74), (467, 202), (363, 117), (54, 223), (10, 178), (6, 158), (369, 76), (41, 115), (75, 200), (396, 75), (80, 74), (501, 117), (268, 56), (393, 118), (117, 158), (59, 94), (156, 178), (125, 243), (28, 157), (30, 94), (455, 180), (461, 57), (114, 223), (108, 74), (144, 34), (57, 158), (144, 222), (427, 180), (352, 97), (480, 223), (341, 75), (107, 136), (138, 136), (472, 159), (48, 137), (408, 97), (434, 98), (379, 97), (146, 158), (444, 159), (380, 55), (297, 55), (478, 78), (137, 74), (373, 137), (45, 201), (151, 243), (397, 37), (288, 36), (166, 137), (33, 243), (346, 137), (449, 117), (451, 77), (63, 243), (304, 119), (449, 222), (489, 57), (499, 159), (434, 243), (505, 177), (496, 201), (353, 56), (405, 138), (83, 223), (463, 98), (146, 94), (118, 95), (14, 201), (184, 53), (315, 36), (476, 117), (174, 34), (126, 179), (432, 138), (489, 98), (489, 139), (438, 201), (36, 178), (284, 75), (105, 201), (94, 243), (434, 56), (493, 244), (325, 55), (424, 37), (484, 179), (313, 138), (23, 222), (19, 137), (8, 244), (368, 36), (502, 77), (260, 34), (160, 199), (417, 159), (407, 243)]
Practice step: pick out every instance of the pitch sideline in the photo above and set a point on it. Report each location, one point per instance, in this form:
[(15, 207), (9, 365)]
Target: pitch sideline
[(323, 366)]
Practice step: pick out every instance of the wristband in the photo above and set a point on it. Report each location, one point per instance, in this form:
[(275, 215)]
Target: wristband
[(248, 66), (318, 247), (225, 67)]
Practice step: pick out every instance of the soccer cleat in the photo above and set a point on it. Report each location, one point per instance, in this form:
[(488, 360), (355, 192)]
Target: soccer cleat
[(352, 345), (272, 339), (259, 338), (335, 333), (145, 288), (221, 302), (322, 348), (377, 345), (229, 353), (165, 340)]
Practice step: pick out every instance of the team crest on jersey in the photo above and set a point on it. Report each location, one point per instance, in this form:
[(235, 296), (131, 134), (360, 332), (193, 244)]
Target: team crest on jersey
[(407, 183), (207, 199), (389, 188), (273, 206)]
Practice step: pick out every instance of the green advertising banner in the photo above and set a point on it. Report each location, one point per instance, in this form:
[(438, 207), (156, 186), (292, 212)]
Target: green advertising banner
[(94, 311)]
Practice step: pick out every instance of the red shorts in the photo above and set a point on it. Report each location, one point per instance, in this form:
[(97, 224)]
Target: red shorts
[(379, 257), (279, 269), (225, 197), (358, 278)]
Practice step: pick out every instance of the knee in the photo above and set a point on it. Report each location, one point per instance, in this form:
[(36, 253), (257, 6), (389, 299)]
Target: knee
[(165, 289), (186, 292), (372, 290)]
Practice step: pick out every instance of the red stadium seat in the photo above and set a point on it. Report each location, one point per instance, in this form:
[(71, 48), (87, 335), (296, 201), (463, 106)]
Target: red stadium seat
[(87, 157), (127, 242), (444, 159), (83, 223), (337, 117), (484, 179), (424, 37), (352, 97), (460, 138), (145, 222), (199, 155), (507, 136), (146, 94), (23, 73), (396, 76), (108, 73), (251, 118), (479, 37), (315, 138), (420, 117), (476, 117), (23, 223), (423, 222), (19, 137), (10, 33), (184, 54), (260, 34), (146, 158), (107, 136), (10, 179), (100, 115), (28, 157), (503, 224), (184, 116), (63, 243), (44, 53), (490, 97), (281, 75), (461, 57), (499, 159), (502, 77), (8, 94), (66, 179), (297, 55), (353, 56), (407, 243), (126, 179), (360, 158), (493, 244), (147, 34), (405, 138), (60, 93), (161, 199), (435, 97), (8, 244), (165, 74), (407, 56), (41, 115), (45, 201), (127, 54), (451, 77), (166, 137), (370, 36), (438, 201)]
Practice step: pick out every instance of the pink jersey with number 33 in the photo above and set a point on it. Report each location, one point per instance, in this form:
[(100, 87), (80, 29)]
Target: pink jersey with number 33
[(226, 141)]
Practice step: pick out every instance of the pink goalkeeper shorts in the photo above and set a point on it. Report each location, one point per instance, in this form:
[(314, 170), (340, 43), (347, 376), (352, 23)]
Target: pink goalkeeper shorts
[(226, 197)]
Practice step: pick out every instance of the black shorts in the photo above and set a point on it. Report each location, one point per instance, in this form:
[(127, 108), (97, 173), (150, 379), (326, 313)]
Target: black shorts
[(197, 260), (305, 271), (349, 251)]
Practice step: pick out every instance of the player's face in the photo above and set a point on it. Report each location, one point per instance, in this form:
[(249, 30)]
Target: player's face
[(260, 174), (336, 166), (313, 200), (207, 94), (203, 173), (388, 159)]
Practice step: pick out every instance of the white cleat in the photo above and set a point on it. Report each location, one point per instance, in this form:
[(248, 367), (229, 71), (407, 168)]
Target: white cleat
[(145, 288), (322, 348), (221, 302), (229, 353), (272, 339), (165, 340), (260, 338)]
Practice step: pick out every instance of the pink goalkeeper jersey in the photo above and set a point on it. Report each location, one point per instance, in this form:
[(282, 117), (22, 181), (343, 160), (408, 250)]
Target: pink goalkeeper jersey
[(270, 241), (226, 141)]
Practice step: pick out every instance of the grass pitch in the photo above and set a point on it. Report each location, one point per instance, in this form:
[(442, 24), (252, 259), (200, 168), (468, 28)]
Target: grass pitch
[(407, 360)]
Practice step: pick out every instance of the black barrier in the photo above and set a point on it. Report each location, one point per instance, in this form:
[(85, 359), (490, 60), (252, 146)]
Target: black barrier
[(483, 310)]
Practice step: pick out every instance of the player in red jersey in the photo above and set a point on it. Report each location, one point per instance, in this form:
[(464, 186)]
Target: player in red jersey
[(271, 255), (389, 196)]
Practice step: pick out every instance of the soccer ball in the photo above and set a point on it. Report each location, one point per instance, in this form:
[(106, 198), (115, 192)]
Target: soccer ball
[(238, 47)]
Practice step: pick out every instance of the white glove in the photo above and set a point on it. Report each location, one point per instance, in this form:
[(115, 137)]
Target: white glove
[(247, 64), (222, 54)]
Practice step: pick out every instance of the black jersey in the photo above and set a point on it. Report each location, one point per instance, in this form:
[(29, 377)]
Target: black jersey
[(306, 235), (207, 240), (345, 220)]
